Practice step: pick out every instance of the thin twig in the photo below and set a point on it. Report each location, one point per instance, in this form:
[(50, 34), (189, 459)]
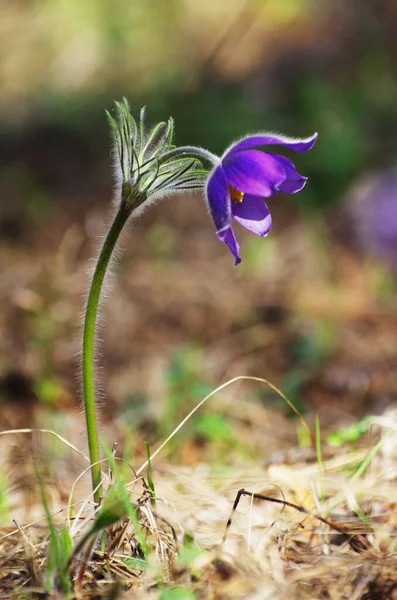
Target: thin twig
[(301, 509)]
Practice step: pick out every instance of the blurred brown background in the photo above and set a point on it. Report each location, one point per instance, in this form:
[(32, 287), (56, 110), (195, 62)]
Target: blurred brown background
[(312, 308)]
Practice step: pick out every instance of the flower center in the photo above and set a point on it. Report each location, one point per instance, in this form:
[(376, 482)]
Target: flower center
[(236, 195)]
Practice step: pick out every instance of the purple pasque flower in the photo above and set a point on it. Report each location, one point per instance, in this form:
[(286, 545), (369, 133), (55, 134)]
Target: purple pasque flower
[(371, 208), (237, 186)]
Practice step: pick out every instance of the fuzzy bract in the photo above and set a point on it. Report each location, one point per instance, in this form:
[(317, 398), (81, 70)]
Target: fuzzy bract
[(142, 162)]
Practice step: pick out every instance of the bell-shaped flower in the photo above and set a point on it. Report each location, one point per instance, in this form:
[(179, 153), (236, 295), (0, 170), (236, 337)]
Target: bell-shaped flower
[(244, 176)]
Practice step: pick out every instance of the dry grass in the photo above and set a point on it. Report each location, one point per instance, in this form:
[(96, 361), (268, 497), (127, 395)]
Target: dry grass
[(339, 544)]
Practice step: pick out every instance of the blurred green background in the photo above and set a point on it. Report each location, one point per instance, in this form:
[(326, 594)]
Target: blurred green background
[(221, 68)]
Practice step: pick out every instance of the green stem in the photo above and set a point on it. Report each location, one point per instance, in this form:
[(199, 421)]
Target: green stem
[(89, 346), (192, 152)]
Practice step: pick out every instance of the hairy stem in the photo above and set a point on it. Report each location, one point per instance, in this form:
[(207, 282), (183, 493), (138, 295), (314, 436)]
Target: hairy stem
[(190, 152), (90, 321)]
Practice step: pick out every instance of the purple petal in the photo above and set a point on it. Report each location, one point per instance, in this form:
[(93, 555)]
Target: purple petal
[(218, 199), (294, 182), (229, 238), (253, 214), (254, 141), (254, 172)]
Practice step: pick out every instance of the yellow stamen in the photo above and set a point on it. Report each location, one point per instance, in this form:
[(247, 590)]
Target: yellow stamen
[(236, 195)]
